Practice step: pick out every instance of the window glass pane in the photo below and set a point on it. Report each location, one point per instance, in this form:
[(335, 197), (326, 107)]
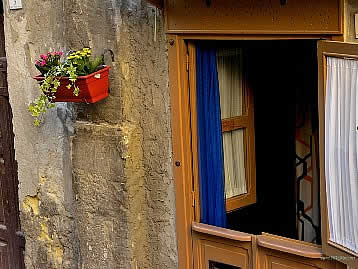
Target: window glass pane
[(216, 265), (230, 82), (341, 151), (234, 162)]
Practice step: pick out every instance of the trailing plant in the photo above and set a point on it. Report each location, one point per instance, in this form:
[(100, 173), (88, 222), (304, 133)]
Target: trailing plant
[(53, 68)]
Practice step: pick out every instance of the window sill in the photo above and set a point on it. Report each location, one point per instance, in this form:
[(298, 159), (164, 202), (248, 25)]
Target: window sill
[(221, 232), (290, 246)]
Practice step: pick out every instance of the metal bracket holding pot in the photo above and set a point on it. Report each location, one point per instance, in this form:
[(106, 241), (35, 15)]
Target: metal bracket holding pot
[(108, 51)]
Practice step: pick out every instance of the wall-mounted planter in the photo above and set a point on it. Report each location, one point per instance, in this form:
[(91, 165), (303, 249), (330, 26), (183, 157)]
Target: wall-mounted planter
[(93, 88)]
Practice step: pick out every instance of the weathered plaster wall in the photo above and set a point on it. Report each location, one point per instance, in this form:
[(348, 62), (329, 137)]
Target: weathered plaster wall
[(351, 7), (43, 154), (103, 196), (123, 177)]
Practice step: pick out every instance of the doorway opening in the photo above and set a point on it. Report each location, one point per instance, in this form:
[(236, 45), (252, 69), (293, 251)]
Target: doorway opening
[(275, 187)]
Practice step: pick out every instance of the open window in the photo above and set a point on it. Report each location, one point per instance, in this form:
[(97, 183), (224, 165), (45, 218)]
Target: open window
[(262, 119), (268, 119), (338, 99)]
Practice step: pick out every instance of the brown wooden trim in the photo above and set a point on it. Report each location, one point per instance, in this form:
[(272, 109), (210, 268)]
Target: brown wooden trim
[(194, 130), (334, 49), (337, 246), (221, 232), (255, 257), (262, 34), (289, 246), (181, 150), (239, 201), (225, 254), (245, 122), (212, 248), (251, 152), (183, 180), (258, 37), (268, 257), (234, 123), (339, 55), (257, 33)]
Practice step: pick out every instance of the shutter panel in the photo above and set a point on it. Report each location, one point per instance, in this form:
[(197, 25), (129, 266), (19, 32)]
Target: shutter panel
[(338, 90)]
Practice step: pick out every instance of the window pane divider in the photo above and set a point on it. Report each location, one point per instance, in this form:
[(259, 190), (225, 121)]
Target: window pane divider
[(234, 123)]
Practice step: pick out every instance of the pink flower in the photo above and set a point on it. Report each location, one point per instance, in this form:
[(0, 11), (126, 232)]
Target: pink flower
[(42, 56), (37, 62), (60, 53), (43, 63)]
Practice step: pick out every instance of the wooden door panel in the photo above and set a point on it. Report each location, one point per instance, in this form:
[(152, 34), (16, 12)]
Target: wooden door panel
[(224, 254), (279, 263), (281, 266), (12, 243), (218, 245), (276, 252), (2, 201), (4, 257), (269, 259)]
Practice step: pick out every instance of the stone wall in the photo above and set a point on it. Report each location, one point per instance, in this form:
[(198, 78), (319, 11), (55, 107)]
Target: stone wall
[(43, 154), (122, 156), (97, 193)]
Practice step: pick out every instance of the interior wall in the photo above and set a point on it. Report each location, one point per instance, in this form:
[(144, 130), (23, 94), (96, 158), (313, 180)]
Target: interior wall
[(96, 182), (279, 81)]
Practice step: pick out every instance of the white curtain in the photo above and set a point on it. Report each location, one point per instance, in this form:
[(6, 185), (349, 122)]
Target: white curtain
[(229, 65), (341, 151)]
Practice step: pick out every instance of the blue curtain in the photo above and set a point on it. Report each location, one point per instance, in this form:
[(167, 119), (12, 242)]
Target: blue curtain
[(211, 170)]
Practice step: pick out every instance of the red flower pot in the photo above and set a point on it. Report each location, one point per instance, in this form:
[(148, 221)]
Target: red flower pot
[(93, 88)]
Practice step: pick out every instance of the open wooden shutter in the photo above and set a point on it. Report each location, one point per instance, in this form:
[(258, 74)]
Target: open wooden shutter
[(338, 117)]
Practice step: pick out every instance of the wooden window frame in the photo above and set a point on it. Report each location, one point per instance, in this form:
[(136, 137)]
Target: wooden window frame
[(339, 50), (247, 123), (186, 200)]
